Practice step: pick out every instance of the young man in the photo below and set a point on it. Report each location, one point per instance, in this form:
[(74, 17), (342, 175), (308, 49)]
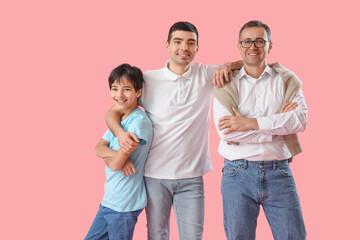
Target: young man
[(177, 99), (125, 196), (256, 170)]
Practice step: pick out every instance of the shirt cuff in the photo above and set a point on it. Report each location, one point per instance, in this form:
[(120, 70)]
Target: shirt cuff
[(264, 125), (265, 138)]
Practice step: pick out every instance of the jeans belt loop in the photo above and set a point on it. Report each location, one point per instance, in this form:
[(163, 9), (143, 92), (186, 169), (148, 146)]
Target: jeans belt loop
[(245, 164), (274, 165)]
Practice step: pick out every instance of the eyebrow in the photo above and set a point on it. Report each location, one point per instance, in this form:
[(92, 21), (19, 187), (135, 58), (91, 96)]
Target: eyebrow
[(191, 39), (254, 40), (124, 86)]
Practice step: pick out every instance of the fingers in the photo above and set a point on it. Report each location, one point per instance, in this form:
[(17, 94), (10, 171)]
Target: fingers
[(220, 76), (229, 130), (128, 168), (227, 76), (235, 110), (224, 124), (284, 106), (215, 77), (221, 82), (129, 145), (134, 137), (288, 107), (224, 118)]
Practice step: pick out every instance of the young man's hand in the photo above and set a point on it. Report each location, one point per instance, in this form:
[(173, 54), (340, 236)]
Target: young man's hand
[(288, 106), (128, 141), (221, 75), (128, 168)]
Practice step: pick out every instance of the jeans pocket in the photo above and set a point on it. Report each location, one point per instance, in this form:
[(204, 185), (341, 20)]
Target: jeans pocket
[(285, 170), (230, 170)]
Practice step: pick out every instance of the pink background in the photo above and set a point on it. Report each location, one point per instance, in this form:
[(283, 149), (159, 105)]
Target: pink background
[(55, 60)]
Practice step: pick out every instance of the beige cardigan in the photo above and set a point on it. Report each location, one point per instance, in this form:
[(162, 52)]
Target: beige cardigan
[(228, 97)]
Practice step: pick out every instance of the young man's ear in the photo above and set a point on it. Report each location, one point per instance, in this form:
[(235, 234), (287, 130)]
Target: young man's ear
[(167, 46)]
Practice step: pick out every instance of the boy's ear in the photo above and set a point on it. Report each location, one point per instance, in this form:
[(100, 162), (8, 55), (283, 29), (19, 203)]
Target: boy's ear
[(138, 93)]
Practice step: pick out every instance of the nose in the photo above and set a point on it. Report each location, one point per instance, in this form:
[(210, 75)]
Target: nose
[(253, 45), (120, 94), (184, 46)]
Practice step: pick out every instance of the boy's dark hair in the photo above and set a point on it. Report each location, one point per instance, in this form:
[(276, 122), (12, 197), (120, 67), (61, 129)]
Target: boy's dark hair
[(133, 74), (183, 26), (256, 23)]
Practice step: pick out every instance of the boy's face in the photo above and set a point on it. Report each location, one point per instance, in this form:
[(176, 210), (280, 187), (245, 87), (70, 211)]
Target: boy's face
[(124, 95), (182, 47)]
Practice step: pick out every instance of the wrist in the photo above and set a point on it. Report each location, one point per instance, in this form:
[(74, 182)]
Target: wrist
[(119, 133), (253, 124)]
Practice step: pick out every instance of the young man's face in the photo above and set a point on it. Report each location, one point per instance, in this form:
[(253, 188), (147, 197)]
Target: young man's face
[(182, 47), (254, 56), (124, 95)]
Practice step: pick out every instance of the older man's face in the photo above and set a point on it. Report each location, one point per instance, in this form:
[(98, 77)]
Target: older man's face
[(254, 56)]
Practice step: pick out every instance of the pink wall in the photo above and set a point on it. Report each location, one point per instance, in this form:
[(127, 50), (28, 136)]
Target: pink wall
[(55, 59)]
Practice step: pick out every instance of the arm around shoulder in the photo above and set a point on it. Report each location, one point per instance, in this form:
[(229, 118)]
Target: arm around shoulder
[(128, 141)]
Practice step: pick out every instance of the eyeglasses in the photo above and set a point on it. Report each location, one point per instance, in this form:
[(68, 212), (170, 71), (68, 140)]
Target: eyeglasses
[(259, 43)]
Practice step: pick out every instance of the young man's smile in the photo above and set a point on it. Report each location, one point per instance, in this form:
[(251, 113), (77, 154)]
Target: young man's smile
[(182, 49)]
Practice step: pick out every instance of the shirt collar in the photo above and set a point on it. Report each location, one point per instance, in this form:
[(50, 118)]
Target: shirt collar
[(173, 76), (267, 70)]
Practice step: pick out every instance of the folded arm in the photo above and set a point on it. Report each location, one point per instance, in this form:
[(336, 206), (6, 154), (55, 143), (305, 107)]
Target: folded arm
[(288, 122), (223, 126), (292, 118), (113, 159)]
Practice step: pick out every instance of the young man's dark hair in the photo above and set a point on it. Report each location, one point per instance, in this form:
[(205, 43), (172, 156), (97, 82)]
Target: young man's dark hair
[(256, 23), (133, 74), (183, 26)]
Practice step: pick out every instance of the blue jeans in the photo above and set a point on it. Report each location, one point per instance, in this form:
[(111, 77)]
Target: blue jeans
[(246, 185), (187, 196), (110, 224)]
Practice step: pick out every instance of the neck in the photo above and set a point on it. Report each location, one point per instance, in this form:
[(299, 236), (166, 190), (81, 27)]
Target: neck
[(128, 111), (254, 71), (178, 69)]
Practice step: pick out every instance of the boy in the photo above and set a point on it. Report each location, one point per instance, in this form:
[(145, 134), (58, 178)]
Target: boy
[(125, 196)]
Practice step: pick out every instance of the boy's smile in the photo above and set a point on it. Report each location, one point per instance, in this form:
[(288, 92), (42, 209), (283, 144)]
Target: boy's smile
[(124, 96)]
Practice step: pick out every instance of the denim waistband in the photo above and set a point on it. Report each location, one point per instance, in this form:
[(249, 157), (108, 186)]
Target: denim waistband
[(259, 164)]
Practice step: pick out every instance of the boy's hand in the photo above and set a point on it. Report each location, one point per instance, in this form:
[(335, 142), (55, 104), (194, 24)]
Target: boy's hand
[(288, 106), (128, 168), (128, 141)]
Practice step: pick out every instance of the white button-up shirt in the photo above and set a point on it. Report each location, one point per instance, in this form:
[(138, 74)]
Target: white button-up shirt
[(261, 99), (179, 108)]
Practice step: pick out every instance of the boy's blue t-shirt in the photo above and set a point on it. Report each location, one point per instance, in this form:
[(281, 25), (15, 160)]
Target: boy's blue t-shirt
[(124, 194)]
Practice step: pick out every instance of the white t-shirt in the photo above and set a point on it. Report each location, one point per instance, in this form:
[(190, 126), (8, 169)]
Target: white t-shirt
[(179, 108)]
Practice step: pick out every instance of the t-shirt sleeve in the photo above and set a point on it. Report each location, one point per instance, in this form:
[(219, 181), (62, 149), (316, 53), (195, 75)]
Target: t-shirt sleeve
[(141, 129), (209, 69), (108, 135)]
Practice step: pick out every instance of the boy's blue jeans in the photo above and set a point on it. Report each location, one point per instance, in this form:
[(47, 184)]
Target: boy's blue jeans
[(110, 224), (246, 185)]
